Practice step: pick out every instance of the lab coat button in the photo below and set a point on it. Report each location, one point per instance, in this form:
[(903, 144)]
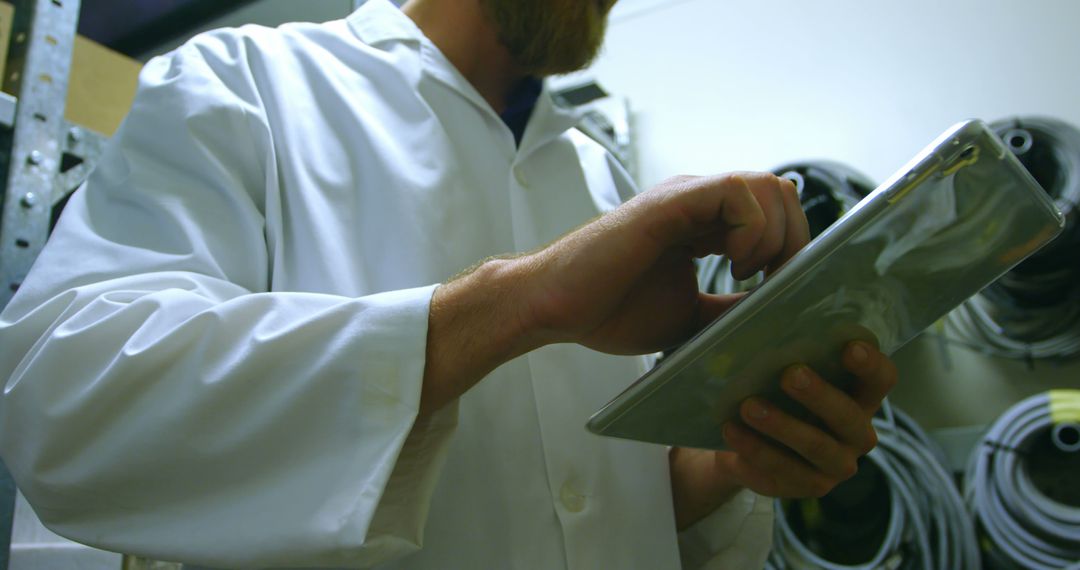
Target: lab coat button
[(519, 175), (571, 499)]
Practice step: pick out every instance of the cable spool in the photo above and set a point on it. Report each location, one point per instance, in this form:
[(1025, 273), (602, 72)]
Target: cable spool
[(911, 514), (827, 191), (1050, 150), (1028, 524), (1034, 310)]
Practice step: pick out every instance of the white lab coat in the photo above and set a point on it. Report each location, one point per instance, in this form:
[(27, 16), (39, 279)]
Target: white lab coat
[(218, 357)]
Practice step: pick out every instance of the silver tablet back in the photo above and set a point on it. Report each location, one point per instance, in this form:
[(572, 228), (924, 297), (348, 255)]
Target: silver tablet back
[(956, 218)]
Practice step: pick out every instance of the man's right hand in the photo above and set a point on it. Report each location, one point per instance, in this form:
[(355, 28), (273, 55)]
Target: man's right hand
[(624, 283)]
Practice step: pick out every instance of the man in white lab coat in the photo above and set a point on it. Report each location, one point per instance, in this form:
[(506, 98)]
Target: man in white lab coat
[(235, 350)]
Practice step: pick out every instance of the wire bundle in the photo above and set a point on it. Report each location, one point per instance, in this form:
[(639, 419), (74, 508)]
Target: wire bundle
[(827, 191), (1034, 310), (927, 525), (1026, 528)]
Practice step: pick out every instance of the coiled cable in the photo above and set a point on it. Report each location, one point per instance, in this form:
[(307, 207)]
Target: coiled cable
[(1034, 310), (927, 526), (1026, 528)]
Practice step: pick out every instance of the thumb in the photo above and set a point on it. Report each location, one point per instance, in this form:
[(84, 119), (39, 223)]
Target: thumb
[(710, 307)]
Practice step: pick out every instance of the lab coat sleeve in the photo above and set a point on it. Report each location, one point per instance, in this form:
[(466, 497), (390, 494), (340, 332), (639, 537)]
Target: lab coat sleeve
[(738, 535), (160, 401)]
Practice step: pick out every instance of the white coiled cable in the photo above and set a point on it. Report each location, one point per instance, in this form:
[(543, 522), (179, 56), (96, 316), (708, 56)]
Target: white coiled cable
[(973, 325), (1026, 529), (928, 526)]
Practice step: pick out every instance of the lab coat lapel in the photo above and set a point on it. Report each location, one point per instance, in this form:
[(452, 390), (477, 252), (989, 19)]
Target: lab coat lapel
[(441, 69), (552, 196), (549, 121)]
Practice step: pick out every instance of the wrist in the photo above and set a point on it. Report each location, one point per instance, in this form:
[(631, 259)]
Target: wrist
[(476, 323), (507, 298), (699, 485)]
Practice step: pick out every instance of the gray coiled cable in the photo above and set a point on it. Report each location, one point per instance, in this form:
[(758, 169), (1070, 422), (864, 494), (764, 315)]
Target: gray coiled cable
[(928, 526), (1026, 528)]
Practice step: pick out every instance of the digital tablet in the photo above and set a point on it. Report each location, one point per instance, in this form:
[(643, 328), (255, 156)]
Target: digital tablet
[(957, 217)]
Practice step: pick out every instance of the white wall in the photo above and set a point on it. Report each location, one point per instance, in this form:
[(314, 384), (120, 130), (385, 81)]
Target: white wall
[(724, 85)]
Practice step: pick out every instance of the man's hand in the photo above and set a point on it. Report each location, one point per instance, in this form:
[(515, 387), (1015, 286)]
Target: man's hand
[(777, 455), (624, 283)]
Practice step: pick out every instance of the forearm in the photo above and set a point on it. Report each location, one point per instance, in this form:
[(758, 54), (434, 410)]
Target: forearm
[(476, 323)]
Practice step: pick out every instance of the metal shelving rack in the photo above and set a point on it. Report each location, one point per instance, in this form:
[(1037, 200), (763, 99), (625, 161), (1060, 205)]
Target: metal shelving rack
[(43, 157)]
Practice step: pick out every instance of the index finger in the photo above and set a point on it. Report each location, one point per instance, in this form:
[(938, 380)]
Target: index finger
[(876, 373), (798, 228)]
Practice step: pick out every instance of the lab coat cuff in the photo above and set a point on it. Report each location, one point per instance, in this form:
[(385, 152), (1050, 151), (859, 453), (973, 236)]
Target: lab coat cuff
[(398, 522), (403, 509), (736, 535)]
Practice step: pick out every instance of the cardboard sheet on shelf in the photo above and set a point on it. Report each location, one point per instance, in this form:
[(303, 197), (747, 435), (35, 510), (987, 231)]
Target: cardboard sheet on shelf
[(101, 85)]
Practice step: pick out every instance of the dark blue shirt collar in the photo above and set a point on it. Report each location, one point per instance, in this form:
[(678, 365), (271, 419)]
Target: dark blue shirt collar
[(520, 104)]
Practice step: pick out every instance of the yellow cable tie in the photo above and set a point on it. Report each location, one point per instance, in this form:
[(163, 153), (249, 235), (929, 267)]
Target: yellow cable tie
[(1064, 406)]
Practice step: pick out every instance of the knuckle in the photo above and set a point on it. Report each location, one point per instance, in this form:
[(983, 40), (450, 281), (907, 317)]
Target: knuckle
[(818, 446), (747, 448), (788, 187), (677, 180), (737, 180)]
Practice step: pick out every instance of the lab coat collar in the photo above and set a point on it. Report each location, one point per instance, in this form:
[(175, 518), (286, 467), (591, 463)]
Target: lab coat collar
[(379, 21), (549, 120)]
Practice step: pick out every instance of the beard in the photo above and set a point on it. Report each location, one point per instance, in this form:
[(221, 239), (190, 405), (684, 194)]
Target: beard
[(549, 37)]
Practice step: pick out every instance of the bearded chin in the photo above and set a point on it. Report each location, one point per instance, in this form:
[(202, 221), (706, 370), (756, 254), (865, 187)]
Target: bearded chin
[(548, 41)]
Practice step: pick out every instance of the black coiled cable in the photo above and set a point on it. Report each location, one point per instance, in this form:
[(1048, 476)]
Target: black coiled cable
[(1034, 310)]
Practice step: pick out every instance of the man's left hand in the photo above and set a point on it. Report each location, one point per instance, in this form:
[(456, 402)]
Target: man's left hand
[(775, 454)]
